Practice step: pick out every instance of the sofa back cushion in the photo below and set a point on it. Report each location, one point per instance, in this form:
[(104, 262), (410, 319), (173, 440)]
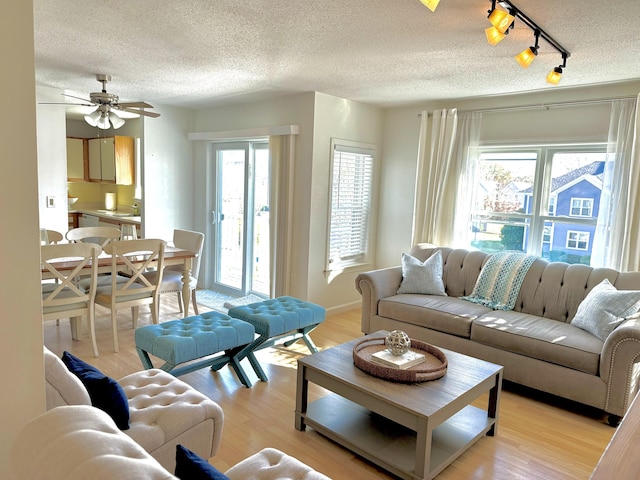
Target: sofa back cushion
[(550, 289), (61, 386)]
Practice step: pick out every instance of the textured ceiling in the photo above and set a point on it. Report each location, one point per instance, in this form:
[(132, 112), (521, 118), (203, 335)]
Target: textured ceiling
[(202, 53)]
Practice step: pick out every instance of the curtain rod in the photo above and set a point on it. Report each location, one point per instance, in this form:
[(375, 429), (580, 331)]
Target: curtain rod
[(544, 105)]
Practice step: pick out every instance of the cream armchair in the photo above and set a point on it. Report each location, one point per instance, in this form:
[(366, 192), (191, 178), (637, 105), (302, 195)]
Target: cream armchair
[(164, 411)]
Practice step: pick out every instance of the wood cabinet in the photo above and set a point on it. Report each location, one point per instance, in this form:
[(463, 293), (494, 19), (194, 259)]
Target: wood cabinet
[(76, 159), (111, 160)]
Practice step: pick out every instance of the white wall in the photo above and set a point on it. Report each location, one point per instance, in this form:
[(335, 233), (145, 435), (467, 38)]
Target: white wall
[(167, 173), (320, 118), (52, 160), (574, 123), (285, 110), (335, 118), (21, 341)]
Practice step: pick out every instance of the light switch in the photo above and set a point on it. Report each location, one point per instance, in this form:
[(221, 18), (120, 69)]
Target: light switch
[(51, 201)]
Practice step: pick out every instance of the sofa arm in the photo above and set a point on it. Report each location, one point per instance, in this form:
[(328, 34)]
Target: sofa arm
[(79, 442), (373, 286), (619, 367), (271, 464)]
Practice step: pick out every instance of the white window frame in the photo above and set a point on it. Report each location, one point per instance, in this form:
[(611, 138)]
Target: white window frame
[(579, 235), (550, 228), (354, 252), (541, 190), (583, 201)]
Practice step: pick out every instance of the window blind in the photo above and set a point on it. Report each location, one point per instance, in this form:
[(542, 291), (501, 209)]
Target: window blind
[(351, 191)]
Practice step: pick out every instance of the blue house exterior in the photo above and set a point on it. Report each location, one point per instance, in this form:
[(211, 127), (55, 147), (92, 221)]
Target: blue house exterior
[(575, 194)]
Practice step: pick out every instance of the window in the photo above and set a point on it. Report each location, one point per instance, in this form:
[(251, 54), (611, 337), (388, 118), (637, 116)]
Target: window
[(581, 207), (541, 199), (351, 197), (578, 240)]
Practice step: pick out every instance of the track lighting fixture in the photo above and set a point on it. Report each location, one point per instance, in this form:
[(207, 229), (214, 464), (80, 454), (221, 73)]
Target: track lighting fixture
[(431, 4), (503, 19)]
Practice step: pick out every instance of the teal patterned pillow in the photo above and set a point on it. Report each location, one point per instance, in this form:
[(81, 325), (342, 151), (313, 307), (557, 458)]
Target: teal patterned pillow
[(422, 277), (604, 308)]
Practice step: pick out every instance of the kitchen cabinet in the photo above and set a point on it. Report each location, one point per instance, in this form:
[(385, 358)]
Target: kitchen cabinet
[(111, 160), (76, 156)]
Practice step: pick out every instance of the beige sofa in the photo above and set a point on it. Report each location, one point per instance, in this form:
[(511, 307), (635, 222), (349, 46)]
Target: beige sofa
[(535, 342)]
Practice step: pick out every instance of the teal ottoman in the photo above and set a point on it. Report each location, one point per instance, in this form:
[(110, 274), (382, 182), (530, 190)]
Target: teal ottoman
[(211, 339), (282, 319)]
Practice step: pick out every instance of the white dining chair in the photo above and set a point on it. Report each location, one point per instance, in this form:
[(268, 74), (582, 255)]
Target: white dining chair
[(172, 276), (66, 299), (100, 236), (136, 256)]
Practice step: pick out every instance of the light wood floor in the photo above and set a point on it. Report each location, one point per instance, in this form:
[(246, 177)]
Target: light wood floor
[(538, 437)]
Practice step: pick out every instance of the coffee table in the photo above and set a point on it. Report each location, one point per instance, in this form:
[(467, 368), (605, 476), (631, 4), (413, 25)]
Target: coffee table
[(411, 430)]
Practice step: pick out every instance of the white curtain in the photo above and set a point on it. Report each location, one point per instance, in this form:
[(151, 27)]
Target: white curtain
[(466, 155), (617, 238), (441, 173), (281, 175)]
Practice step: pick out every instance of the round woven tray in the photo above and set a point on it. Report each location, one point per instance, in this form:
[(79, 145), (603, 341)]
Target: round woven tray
[(434, 366)]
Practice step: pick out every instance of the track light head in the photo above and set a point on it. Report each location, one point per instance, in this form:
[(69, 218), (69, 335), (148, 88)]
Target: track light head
[(494, 36), (525, 57), (555, 75), (430, 4), (501, 19)]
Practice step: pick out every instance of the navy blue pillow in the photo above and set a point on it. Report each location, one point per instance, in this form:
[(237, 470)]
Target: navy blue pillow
[(106, 394), (190, 466)]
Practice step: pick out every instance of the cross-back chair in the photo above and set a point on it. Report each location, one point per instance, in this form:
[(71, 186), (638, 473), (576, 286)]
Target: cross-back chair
[(64, 263), (134, 256), (172, 276)]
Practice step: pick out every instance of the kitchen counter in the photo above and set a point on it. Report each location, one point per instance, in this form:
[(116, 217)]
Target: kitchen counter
[(121, 216)]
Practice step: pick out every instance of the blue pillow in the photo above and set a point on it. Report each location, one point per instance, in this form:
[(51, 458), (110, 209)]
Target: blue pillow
[(105, 393), (190, 466)]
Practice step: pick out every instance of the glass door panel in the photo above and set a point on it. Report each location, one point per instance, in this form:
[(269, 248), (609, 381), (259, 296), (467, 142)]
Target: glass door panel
[(241, 217)]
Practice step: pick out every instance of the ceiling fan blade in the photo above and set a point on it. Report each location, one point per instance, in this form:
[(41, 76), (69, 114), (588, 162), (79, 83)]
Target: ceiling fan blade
[(135, 104), (141, 112), (68, 104), (80, 98)]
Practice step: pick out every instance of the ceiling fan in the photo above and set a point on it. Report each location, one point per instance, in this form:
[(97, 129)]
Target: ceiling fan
[(107, 104)]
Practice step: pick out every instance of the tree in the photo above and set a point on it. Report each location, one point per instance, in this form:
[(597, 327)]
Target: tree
[(512, 237)]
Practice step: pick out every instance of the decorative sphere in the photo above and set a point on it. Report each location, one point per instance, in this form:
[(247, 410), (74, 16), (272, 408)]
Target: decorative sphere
[(398, 342)]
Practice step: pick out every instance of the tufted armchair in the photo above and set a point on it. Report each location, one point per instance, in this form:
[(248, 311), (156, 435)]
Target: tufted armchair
[(164, 411)]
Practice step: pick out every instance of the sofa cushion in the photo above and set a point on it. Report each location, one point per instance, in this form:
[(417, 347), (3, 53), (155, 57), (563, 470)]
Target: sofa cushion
[(106, 394), (422, 277), (445, 314), (165, 412), (541, 338), (272, 464), (190, 466), (604, 308)]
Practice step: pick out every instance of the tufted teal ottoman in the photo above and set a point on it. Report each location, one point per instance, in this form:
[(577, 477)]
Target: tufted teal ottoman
[(211, 339), (283, 320)]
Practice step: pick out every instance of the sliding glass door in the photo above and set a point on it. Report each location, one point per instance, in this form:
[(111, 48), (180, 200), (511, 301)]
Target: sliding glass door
[(241, 218)]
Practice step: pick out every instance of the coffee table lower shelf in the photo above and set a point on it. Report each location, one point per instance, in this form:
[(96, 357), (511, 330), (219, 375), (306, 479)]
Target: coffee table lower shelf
[(389, 444)]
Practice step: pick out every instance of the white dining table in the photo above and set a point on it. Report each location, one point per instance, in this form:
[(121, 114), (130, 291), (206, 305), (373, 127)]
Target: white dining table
[(172, 256)]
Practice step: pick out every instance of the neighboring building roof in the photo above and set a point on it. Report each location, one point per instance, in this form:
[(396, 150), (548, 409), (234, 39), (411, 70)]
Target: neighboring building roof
[(593, 169)]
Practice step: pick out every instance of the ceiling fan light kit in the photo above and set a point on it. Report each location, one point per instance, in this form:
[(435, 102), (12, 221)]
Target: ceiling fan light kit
[(104, 116), (503, 19)]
